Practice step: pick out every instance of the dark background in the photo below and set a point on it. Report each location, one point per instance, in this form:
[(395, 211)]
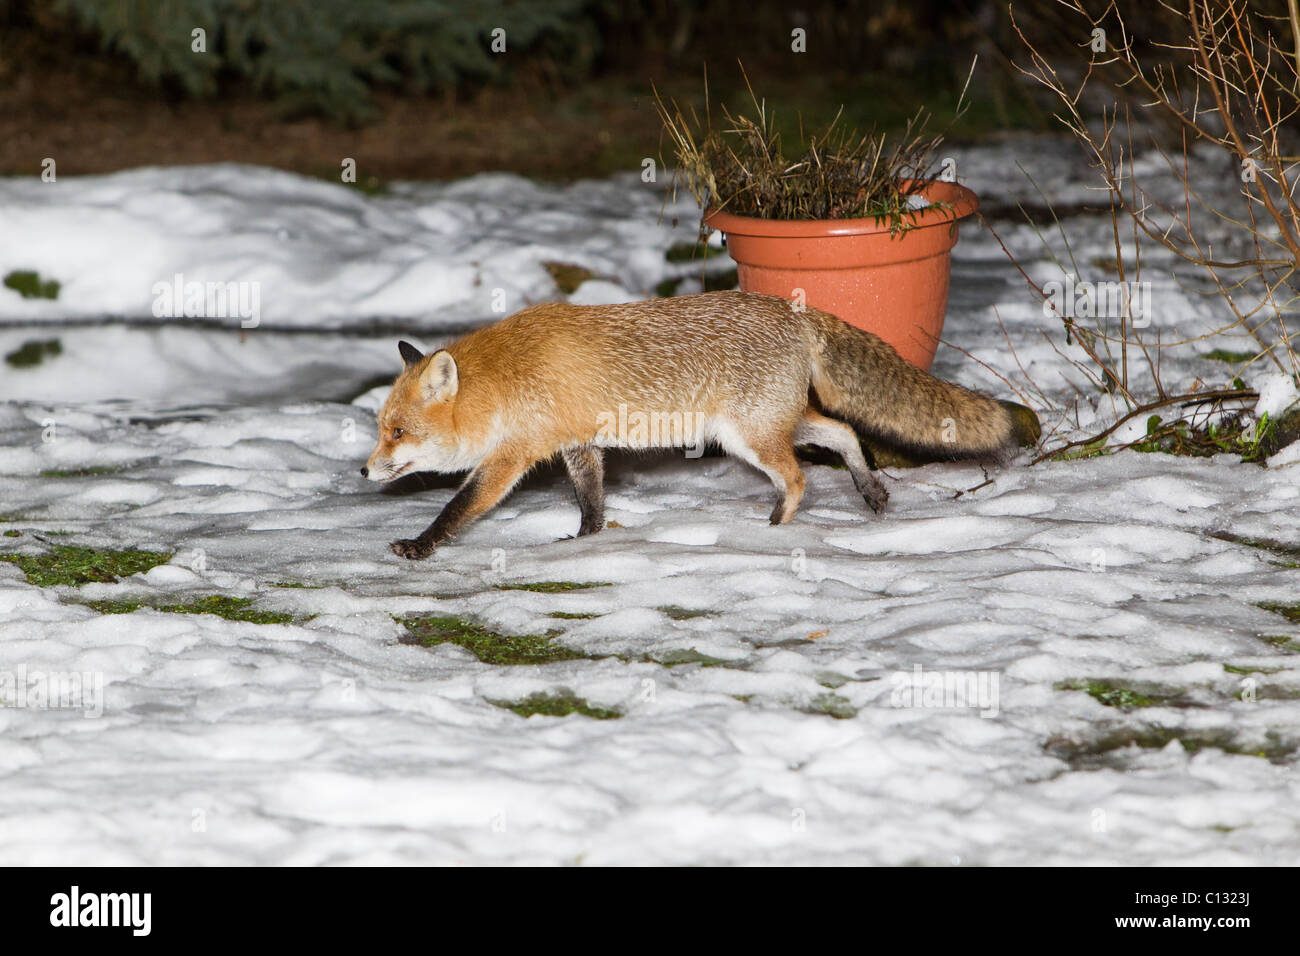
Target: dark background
[(410, 89)]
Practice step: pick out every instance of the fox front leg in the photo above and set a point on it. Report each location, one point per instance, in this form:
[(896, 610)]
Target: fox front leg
[(586, 467), (487, 484)]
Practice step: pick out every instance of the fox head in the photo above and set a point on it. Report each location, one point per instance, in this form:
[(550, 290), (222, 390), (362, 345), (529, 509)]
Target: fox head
[(416, 430)]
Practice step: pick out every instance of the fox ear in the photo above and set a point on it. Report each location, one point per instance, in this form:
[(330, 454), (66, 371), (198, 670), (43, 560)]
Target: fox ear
[(440, 380), (410, 354)]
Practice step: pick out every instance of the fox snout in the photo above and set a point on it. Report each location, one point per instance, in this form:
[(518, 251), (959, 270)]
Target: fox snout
[(381, 467)]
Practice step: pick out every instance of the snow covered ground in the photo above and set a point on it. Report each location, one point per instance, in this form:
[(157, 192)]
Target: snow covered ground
[(780, 689)]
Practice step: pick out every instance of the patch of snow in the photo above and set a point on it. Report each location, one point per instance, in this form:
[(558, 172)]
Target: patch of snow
[(772, 680), (602, 292), (1277, 393)]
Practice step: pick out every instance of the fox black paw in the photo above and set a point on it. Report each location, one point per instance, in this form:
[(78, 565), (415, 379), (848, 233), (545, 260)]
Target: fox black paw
[(876, 500), (410, 549)]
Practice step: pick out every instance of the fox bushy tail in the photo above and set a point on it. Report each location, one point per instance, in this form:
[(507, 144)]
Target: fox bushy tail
[(859, 378)]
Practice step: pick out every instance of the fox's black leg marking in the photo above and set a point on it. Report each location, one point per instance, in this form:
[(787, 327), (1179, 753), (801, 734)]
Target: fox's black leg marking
[(487, 485), (871, 489), (586, 467), (448, 522)]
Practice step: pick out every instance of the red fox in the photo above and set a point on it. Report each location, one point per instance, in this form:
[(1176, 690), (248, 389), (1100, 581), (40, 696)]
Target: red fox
[(750, 372)]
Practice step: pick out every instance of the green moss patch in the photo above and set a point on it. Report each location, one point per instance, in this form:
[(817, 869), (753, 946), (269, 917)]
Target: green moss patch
[(1289, 611), (690, 251), (572, 616), (1233, 358), (74, 565), (682, 613), (688, 655), (720, 281), (1232, 669), (1093, 449), (488, 646), (668, 288), (89, 472), (1112, 694), (1102, 750), (230, 608), (369, 185), (832, 705), (710, 282), (1282, 642), (558, 705), (567, 276), (33, 353), (831, 679), (1290, 552), (29, 285), (553, 587)]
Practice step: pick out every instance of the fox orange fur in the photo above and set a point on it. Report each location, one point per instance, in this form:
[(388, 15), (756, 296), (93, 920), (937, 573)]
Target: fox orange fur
[(747, 371)]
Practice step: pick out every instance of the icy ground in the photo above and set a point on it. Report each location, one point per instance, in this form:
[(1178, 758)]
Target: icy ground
[(764, 676)]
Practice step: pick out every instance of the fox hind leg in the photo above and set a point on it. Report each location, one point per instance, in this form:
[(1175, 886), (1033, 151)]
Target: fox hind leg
[(829, 433), (777, 459), (772, 453), (586, 467)]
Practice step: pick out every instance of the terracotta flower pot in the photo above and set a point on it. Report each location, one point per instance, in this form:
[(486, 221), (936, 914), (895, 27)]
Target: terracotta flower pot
[(896, 287)]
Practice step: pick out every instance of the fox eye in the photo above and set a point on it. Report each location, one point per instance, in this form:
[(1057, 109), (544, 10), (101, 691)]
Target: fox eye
[(397, 433)]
